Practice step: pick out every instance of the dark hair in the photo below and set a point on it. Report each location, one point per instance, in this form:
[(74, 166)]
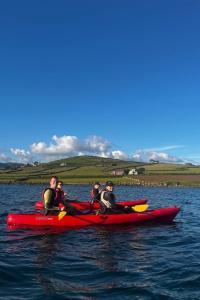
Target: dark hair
[(54, 177), (60, 181), (109, 183), (97, 183)]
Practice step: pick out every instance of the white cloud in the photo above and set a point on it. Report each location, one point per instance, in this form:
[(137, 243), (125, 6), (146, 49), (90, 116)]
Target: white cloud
[(62, 145), (38, 148), (71, 145), (97, 144), (22, 155), (118, 154), (145, 155), (66, 145)]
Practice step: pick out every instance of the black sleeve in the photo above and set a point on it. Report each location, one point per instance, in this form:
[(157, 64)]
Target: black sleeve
[(96, 194)]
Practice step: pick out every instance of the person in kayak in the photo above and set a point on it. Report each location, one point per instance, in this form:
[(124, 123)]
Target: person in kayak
[(54, 201), (95, 193), (61, 200), (60, 194), (107, 201), (49, 196)]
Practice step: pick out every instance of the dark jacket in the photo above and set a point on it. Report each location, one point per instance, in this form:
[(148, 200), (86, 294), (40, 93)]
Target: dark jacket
[(95, 194), (107, 201)]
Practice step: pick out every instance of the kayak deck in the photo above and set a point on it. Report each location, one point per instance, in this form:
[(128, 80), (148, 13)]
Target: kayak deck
[(160, 215), (87, 205)]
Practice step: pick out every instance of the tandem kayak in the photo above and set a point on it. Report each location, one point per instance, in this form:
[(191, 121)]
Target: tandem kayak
[(86, 205), (160, 215)]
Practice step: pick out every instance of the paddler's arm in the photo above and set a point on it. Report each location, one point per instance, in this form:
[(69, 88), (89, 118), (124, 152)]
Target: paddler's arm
[(47, 201)]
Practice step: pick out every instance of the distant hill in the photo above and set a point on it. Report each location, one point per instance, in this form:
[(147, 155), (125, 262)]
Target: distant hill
[(74, 169), (88, 169), (78, 161)]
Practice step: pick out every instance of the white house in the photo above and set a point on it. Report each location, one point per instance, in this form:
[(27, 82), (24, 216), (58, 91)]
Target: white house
[(133, 172)]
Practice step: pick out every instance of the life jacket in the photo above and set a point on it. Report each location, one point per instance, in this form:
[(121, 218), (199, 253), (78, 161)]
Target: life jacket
[(51, 203), (105, 202), (95, 194), (58, 197)]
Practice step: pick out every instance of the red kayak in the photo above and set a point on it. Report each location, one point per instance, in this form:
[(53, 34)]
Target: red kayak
[(86, 205), (160, 215)]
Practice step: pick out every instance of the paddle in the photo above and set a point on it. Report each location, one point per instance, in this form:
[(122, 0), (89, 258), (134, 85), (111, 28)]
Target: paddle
[(140, 207), (62, 214)]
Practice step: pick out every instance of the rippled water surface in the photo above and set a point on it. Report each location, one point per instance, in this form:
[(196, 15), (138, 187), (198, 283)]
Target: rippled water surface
[(120, 262)]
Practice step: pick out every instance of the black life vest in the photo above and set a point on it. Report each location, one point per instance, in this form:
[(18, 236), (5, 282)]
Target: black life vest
[(107, 198), (53, 196)]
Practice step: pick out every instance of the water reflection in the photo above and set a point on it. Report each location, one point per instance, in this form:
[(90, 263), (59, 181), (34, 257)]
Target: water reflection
[(46, 248), (104, 255)]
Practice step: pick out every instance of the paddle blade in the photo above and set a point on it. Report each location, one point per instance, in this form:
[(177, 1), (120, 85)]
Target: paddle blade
[(140, 207), (61, 215)]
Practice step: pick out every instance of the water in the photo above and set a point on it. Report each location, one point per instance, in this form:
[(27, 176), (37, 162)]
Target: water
[(119, 262)]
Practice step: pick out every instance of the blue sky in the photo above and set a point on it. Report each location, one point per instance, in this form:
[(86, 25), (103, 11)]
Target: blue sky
[(116, 75)]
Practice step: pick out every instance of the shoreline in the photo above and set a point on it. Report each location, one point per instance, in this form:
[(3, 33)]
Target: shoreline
[(163, 184)]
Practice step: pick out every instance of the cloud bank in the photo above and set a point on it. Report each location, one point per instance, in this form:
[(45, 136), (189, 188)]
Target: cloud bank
[(69, 145), (66, 146)]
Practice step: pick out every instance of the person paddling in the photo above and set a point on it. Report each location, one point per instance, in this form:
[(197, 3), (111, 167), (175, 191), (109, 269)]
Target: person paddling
[(52, 203), (60, 194), (107, 201), (63, 202), (49, 196), (95, 193)]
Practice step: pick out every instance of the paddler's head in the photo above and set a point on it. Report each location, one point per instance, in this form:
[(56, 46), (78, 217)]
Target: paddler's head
[(97, 185), (53, 182), (109, 186), (59, 185)]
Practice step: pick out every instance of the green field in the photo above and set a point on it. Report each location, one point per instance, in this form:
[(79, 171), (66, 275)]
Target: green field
[(88, 169), (171, 169)]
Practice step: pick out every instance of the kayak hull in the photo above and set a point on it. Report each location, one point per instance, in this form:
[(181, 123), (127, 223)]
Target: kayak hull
[(160, 215), (82, 205)]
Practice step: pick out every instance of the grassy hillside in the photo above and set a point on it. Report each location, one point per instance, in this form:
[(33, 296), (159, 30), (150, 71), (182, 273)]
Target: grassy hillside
[(88, 169), (81, 169), (173, 169)]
